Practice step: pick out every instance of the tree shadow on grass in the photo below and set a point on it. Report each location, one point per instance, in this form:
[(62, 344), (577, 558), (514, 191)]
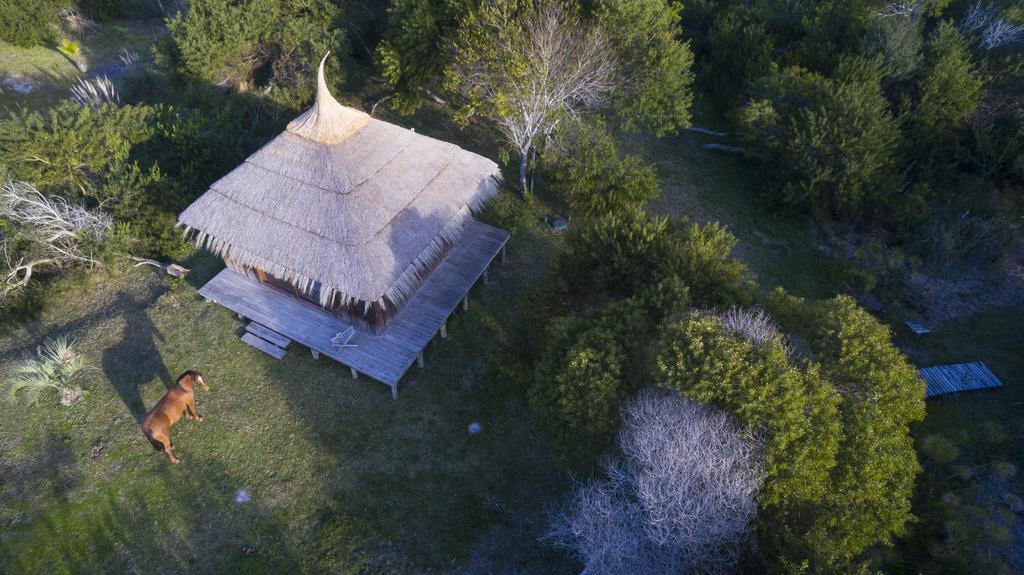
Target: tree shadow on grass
[(177, 521), (426, 493), (136, 359)]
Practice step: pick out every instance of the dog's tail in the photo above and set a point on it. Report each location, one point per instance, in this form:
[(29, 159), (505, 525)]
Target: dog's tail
[(156, 444)]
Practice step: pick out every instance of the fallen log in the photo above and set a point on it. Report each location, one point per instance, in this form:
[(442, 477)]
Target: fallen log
[(706, 132), (171, 269), (725, 149)]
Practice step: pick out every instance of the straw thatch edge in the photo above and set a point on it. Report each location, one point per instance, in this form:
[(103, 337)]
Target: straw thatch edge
[(401, 290)]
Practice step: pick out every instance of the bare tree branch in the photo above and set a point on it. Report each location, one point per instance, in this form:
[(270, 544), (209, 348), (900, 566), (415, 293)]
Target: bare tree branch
[(530, 72), (55, 231), (994, 30)]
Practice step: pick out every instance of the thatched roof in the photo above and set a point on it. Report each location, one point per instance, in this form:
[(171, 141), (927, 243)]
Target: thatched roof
[(362, 207)]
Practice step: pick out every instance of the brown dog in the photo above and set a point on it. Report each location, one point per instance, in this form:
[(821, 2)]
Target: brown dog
[(179, 400)]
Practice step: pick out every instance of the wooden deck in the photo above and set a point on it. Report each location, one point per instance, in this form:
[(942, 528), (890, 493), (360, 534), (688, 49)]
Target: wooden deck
[(386, 356), (943, 379)]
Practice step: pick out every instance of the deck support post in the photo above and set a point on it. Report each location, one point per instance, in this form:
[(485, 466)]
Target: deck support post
[(355, 374), (315, 353), (419, 360), (465, 302), (444, 329), (487, 280), (394, 391), (504, 258)]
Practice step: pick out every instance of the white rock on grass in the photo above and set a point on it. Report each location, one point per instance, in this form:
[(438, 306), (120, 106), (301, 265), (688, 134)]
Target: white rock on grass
[(18, 85)]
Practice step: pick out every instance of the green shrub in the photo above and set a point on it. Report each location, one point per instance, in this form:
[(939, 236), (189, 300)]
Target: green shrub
[(949, 91), (831, 142), (28, 23), (869, 498), (739, 52), (792, 407), (274, 45), (143, 163), (588, 363), (620, 253), (594, 178), (939, 448), (646, 34), (577, 388), (71, 148), (412, 55), (898, 40), (840, 461)]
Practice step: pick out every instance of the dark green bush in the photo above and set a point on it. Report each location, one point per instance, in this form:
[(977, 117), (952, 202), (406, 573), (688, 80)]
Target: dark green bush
[(577, 388), (594, 178), (869, 497), (790, 405), (412, 55), (950, 90), (273, 45), (839, 457), (143, 164), (589, 363), (831, 142), (104, 10), (620, 253), (739, 52), (898, 40), (72, 149), (30, 23)]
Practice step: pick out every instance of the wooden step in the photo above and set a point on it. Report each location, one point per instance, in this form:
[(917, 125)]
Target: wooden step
[(263, 345), (263, 332)]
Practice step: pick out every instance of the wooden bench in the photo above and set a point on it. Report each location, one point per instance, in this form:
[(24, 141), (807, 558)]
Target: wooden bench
[(263, 345)]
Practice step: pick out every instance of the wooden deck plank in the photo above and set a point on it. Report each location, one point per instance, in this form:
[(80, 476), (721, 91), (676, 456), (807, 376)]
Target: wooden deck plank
[(263, 345), (386, 356), (263, 332), (954, 378)]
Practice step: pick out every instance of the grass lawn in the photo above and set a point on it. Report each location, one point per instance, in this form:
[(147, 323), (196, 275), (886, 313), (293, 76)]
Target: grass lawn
[(341, 478), (49, 74)]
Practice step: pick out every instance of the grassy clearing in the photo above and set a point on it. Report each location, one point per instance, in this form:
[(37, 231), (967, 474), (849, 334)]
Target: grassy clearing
[(971, 486), (50, 74), (708, 186), (341, 477)]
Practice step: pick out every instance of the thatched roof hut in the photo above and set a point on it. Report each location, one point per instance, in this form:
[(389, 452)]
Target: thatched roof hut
[(351, 211)]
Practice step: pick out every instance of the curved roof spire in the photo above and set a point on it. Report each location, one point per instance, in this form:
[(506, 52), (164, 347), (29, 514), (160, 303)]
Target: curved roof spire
[(327, 122)]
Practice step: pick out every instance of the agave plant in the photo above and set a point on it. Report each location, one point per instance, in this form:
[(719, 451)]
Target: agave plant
[(73, 51), (129, 58), (57, 367)]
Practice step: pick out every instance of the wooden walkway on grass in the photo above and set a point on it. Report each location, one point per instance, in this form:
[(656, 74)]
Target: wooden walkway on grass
[(953, 378), (385, 356)]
